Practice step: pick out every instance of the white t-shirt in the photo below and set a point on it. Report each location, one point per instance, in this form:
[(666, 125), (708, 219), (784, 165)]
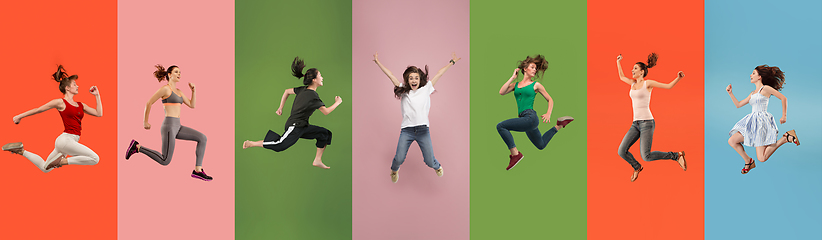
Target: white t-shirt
[(415, 106)]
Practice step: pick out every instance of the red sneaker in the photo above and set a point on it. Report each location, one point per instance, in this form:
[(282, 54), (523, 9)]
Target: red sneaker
[(561, 122), (514, 160)]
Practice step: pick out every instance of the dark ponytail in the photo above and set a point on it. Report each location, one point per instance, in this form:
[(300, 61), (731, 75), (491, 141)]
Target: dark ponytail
[(63, 78), (399, 91), (297, 70), (161, 73), (771, 76), (652, 58)]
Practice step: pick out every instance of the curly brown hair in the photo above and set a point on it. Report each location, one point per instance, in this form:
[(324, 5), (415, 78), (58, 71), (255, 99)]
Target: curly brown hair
[(537, 60)]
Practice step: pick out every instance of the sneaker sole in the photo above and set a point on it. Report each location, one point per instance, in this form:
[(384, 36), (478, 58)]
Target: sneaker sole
[(515, 164), (201, 178), (565, 118)]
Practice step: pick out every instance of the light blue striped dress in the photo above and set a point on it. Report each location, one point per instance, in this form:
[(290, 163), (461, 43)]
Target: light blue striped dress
[(758, 128)]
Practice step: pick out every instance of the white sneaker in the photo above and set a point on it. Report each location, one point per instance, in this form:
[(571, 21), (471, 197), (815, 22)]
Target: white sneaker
[(395, 176), (439, 171)]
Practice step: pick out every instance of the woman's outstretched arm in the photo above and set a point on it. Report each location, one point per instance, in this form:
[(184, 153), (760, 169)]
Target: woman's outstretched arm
[(49, 105), (387, 72), (738, 104), (679, 76), (621, 74), (442, 70)]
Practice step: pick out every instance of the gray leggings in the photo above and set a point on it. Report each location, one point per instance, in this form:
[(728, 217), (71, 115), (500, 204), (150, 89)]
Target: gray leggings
[(171, 130)]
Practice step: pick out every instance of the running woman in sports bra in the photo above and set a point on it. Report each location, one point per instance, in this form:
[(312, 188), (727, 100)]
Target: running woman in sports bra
[(297, 126), (415, 101), (71, 112), (172, 99), (758, 129), (643, 125), (528, 122)]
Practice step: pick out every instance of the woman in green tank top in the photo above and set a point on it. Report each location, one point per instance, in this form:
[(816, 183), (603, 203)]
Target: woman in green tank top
[(528, 122)]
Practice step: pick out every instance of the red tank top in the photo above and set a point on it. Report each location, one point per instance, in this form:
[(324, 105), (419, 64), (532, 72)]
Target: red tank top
[(72, 116)]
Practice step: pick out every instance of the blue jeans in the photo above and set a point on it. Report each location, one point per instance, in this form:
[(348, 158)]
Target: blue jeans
[(642, 130), (527, 122), (423, 138)]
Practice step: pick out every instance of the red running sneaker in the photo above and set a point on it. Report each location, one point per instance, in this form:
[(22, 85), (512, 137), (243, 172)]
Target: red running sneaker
[(514, 160), (561, 122)]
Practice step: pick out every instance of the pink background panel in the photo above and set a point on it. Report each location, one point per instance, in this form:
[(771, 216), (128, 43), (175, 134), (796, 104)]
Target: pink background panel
[(421, 205), (164, 202)]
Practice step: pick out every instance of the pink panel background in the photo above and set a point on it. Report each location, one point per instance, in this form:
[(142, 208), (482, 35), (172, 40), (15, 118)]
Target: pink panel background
[(421, 205), (157, 202)]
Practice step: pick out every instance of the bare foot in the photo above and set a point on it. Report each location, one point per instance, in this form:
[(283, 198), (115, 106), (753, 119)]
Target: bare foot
[(320, 164)]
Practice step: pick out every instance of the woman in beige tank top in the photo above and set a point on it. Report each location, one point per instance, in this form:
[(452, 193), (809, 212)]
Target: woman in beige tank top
[(643, 125)]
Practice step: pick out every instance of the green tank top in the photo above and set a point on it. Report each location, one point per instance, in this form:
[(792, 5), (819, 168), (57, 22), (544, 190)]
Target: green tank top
[(524, 96)]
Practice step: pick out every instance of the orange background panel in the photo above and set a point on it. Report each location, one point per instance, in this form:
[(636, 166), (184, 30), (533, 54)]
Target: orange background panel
[(665, 202), (72, 202)]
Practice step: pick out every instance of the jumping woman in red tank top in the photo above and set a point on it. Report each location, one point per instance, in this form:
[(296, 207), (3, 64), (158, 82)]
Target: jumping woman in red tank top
[(71, 112)]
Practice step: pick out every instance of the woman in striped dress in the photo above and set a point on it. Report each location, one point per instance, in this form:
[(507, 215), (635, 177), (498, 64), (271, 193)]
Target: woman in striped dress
[(758, 129)]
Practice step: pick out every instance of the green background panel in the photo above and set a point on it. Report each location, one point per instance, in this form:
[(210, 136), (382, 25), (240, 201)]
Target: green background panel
[(280, 195), (543, 197)]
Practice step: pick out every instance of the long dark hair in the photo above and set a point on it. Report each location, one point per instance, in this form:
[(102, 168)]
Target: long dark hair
[(651, 63), (161, 73), (537, 60), (405, 88), (297, 70), (63, 78), (771, 76)]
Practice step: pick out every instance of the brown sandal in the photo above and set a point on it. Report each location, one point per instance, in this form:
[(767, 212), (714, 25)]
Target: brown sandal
[(749, 166), (792, 134), (682, 164), (636, 174)]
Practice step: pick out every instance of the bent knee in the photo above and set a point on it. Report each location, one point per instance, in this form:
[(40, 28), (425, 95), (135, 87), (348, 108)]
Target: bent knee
[(95, 159), (622, 153), (732, 141)]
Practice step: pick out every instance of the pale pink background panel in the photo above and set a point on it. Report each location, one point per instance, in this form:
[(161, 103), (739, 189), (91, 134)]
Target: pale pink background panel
[(421, 205), (164, 202)]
